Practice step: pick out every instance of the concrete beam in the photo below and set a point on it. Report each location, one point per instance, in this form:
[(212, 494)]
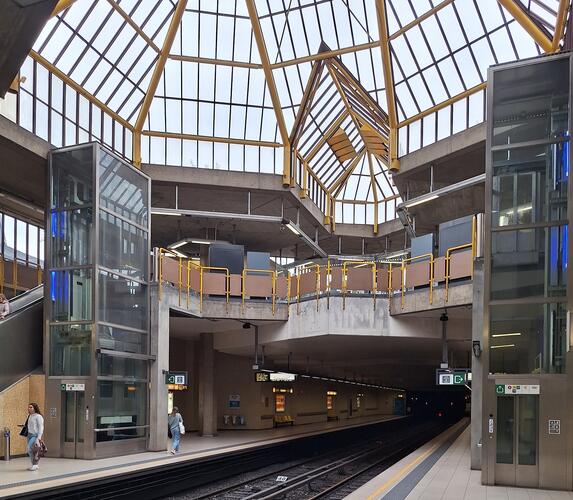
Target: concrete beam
[(23, 138), (440, 150), (417, 301)]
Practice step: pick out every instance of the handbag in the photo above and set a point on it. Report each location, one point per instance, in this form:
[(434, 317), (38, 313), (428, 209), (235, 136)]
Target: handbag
[(169, 435), (24, 430), (181, 428)]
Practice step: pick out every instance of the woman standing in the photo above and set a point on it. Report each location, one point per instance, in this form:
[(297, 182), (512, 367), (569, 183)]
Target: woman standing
[(175, 421), (35, 424), (4, 306)]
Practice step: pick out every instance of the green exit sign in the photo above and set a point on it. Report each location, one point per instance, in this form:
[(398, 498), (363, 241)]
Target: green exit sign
[(499, 388), (177, 378), (459, 378)]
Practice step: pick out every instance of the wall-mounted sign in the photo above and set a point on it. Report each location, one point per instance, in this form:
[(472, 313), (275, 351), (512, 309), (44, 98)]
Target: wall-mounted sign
[(234, 400), (178, 378), (516, 389), (554, 426), (490, 425), (73, 387)]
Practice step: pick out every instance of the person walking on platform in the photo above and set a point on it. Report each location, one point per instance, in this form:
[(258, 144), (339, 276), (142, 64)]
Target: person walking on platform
[(176, 428), (34, 431), (4, 306)]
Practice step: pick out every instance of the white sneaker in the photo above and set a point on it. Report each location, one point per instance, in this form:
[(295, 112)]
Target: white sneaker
[(34, 467), (173, 452)]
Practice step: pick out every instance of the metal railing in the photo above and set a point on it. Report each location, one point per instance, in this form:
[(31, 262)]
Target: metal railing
[(342, 277), (20, 279)]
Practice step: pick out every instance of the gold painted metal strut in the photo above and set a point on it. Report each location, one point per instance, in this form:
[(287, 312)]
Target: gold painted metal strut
[(79, 89), (394, 163), (258, 33), (560, 24), (528, 25), (156, 76), (206, 138)]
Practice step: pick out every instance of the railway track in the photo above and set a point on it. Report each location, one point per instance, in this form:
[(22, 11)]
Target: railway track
[(332, 475)]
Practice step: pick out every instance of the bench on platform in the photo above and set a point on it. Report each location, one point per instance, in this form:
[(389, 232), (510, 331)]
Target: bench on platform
[(283, 419)]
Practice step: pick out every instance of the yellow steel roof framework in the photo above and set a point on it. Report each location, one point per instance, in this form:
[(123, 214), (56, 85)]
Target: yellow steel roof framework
[(327, 93)]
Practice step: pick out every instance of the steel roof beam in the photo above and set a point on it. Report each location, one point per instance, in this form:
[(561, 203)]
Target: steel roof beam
[(263, 54), (518, 13), (155, 77)]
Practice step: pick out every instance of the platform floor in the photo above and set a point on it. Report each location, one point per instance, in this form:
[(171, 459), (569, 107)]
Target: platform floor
[(440, 470), (16, 479)]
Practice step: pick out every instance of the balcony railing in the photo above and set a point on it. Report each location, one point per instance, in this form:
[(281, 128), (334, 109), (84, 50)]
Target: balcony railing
[(345, 278)]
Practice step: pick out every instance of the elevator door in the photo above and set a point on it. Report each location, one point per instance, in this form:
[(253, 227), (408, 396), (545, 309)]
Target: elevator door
[(516, 461), (73, 421)]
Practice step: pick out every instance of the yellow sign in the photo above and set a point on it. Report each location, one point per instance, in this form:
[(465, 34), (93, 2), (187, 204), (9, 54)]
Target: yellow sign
[(176, 387)]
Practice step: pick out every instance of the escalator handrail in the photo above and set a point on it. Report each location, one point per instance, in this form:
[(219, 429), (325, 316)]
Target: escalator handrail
[(24, 300)]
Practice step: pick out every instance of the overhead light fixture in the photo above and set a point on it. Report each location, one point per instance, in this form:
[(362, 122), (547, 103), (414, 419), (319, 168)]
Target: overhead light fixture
[(472, 181), (514, 334), (303, 236), (291, 226), (419, 201), (177, 244), (502, 346), (201, 242)]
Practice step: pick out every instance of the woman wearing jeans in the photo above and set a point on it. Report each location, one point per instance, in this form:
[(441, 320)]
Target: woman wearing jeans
[(35, 434), (173, 421)]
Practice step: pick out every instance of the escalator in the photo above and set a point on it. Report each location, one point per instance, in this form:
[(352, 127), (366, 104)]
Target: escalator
[(21, 337)]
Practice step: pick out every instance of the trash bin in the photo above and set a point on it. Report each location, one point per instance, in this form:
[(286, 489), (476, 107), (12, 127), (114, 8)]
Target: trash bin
[(6, 444)]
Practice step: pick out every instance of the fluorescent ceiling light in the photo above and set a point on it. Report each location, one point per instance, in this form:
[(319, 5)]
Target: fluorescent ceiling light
[(179, 254), (419, 201), (201, 242), (293, 229), (501, 346), (515, 334), (177, 244)]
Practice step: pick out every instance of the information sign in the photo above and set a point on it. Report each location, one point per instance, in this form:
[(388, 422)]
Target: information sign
[(554, 426), (282, 377), (516, 389), (73, 387), (177, 378), (262, 377), (452, 377), (234, 400)]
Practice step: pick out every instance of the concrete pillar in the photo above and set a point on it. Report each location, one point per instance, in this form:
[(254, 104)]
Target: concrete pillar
[(477, 365), (159, 339), (207, 401)]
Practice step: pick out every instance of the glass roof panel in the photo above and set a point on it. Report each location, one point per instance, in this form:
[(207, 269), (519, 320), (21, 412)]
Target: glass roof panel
[(213, 82)]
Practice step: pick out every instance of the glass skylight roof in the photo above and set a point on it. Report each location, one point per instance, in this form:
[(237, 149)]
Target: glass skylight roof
[(216, 103)]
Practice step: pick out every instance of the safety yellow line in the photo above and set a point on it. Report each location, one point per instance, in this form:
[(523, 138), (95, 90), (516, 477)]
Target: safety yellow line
[(395, 478)]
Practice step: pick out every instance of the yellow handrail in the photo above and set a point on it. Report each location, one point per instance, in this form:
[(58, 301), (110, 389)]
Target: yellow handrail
[(356, 264), (190, 264), (449, 251), (403, 268), (317, 281), (273, 284), (227, 283)]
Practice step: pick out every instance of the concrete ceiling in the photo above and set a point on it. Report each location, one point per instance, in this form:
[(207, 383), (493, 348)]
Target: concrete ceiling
[(21, 21), (403, 362)]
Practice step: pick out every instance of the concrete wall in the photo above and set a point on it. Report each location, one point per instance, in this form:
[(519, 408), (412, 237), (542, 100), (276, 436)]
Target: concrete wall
[(183, 357), (14, 409)]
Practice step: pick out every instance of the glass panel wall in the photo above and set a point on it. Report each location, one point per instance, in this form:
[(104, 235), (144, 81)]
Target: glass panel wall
[(529, 171), (70, 283), (98, 297), (123, 300)]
